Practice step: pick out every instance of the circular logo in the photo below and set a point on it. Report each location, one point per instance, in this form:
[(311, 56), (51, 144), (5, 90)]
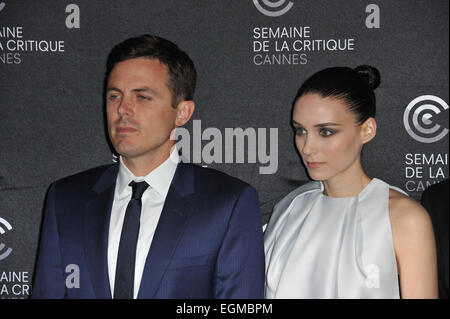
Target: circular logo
[(273, 8), (419, 119), (4, 252)]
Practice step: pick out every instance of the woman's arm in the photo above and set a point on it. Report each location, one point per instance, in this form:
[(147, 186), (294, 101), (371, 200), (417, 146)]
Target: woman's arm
[(414, 247)]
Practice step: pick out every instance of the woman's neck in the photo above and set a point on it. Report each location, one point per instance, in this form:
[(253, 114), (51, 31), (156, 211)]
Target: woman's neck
[(346, 184)]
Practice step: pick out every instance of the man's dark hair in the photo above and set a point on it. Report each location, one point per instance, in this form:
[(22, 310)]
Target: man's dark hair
[(182, 73)]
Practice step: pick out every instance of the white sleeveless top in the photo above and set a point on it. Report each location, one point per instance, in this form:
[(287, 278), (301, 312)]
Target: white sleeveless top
[(326, 247)]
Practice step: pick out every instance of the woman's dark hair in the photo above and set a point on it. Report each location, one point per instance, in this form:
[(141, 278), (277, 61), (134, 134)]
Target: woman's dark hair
[(355, 86), (182, 73)]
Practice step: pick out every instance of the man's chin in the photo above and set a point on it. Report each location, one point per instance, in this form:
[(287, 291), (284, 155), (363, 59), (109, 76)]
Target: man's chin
[(127, 150)]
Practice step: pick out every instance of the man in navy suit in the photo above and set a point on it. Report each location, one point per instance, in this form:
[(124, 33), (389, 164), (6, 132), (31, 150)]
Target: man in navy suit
[(150, 226)]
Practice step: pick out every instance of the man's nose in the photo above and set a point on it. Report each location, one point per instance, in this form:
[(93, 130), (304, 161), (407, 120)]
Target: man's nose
[(126, 106)]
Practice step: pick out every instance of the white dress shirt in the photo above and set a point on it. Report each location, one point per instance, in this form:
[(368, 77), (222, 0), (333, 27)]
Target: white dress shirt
[(152, 204)]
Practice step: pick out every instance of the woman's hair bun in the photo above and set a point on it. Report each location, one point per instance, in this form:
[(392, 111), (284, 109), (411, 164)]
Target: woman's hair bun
[(370, 73)]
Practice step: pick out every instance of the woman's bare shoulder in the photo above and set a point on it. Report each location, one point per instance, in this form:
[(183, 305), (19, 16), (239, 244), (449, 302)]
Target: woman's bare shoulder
[(406, 214)]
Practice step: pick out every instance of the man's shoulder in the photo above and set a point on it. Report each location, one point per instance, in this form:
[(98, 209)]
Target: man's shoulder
[(438, 190), (211, 178), (87, 178)]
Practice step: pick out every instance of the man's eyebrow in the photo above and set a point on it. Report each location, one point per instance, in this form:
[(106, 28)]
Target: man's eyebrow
[(145, 89), (113, 89), (142, 89), (137, 90)]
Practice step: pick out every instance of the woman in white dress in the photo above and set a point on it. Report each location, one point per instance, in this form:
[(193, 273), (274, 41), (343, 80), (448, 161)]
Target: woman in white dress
[(345, 235)]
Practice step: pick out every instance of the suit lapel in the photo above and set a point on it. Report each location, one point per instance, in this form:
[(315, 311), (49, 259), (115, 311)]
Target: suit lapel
[(97, 216), (168, 231)]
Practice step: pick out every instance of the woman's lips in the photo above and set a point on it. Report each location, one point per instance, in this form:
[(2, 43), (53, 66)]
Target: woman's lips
[(314, 164)]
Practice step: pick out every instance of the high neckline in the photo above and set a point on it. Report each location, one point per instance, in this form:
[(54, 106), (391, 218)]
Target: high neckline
[(362, 192)]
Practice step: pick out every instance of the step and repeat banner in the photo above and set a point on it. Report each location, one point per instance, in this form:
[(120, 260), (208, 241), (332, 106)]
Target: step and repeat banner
[(251, 57)]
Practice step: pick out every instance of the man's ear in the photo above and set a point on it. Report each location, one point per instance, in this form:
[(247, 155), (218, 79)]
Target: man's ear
[(185, 109), (368, 130)]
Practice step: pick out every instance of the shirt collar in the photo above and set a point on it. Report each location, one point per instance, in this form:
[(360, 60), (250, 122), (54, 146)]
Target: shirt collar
[(159, 179)]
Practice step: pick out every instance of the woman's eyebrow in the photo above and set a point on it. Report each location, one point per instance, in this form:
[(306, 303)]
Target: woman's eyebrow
[(327, 124)]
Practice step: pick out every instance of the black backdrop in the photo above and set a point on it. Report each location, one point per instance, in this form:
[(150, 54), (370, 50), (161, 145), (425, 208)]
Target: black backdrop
[(251, 57)]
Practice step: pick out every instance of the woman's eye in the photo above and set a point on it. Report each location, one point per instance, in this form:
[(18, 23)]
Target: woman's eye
[(299, 131), (326, 132)]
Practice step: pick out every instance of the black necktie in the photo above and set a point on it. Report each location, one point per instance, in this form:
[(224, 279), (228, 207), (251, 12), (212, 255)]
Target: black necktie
[(124, 281)]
